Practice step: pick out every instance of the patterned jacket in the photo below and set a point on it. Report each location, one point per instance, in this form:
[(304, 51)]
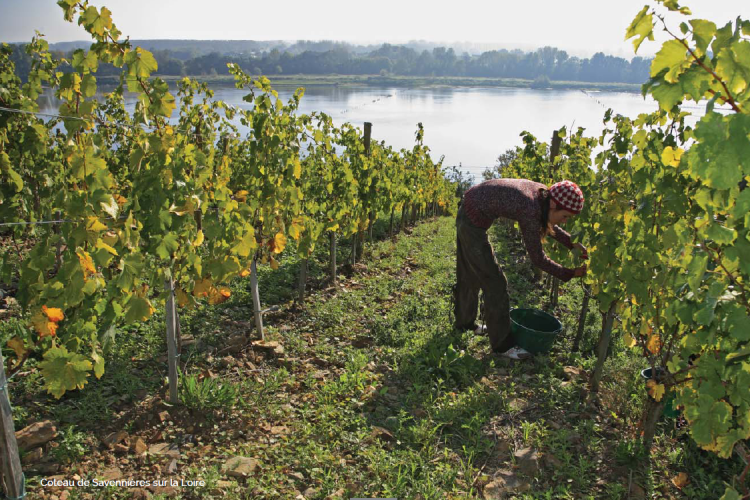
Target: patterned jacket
[(518, 200)]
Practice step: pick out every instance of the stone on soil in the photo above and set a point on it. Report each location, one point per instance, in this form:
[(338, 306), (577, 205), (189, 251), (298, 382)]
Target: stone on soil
[(167, 491), (504, 484), (572, 373), (139, 447), (381, 433), (36, 434), (167, 449), (111, 474), (115, 438), (46, 467), (527, 461), (636, 492), (270, 347), (279, 430), (518, 404), (502, 448), (139, 494), (33, 456), (240, 466)]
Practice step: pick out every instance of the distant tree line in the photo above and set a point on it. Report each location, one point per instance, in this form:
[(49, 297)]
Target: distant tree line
[(544, 64)]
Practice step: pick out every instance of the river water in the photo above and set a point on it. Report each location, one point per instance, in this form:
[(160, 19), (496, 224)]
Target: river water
[(470, 126)]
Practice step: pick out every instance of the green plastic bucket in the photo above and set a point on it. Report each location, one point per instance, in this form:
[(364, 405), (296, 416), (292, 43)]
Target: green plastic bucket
[(534, 330), (669, 410)]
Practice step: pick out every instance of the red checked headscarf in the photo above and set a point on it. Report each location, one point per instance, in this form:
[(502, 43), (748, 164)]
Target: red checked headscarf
[(567, 196)]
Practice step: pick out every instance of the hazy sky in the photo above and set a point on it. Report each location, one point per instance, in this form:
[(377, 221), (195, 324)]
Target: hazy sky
[(581, 27)]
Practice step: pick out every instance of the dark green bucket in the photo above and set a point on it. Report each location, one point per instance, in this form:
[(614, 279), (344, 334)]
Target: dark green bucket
[(669, 410), (534, 330)]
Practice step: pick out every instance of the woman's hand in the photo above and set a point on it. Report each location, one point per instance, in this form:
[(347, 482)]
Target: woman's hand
[(582, 249), (579, 271)]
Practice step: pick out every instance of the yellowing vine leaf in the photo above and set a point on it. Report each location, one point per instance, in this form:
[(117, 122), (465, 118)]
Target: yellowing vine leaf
[(202, 287), (645, 328), (87, 264), (654, 344), (671, 157), (54, 314), (279, 243), (642, 27), (681, 480), (199, 239), (100, 244), (628, 340), (98, 364), (94, 224), (43, 324), (219, 295), (655, 390), (296, 229), (188, 207), (17, 344), (183, 299)]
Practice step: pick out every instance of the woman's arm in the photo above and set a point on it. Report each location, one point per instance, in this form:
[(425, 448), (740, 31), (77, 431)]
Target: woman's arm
[(532, 239), (562, 236)]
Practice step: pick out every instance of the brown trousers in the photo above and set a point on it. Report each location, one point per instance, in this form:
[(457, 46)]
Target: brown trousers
[(477, 268)]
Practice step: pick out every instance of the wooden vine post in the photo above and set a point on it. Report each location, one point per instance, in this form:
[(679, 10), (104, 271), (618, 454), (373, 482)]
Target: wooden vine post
[(390, 227), (256, 300), (302, 279), (368, 136), (603, 346), (582, 317), (358, 239), (13, 478), (332, 267), (171, 317), (553, 154)]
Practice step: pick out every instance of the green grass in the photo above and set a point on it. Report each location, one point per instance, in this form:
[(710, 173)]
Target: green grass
[(376, 394)]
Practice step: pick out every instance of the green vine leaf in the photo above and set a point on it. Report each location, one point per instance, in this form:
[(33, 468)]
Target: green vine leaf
[(64, 371), (642, 27)]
